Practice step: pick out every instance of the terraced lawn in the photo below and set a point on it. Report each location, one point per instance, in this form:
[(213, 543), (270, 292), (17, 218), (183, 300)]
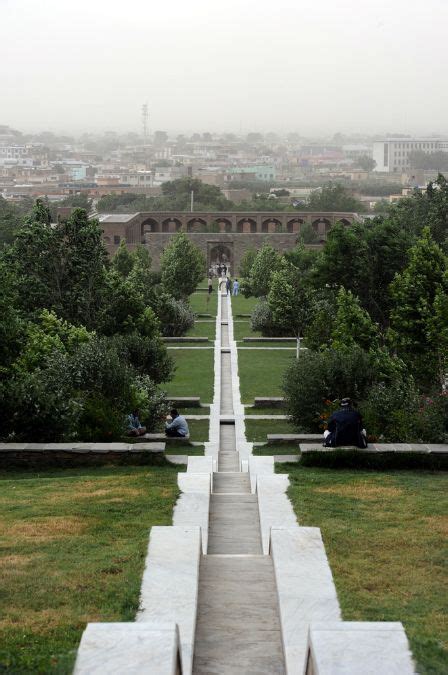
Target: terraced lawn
[(194, 375), (256, 430), (73, 545), (386, 538), (261, 372)]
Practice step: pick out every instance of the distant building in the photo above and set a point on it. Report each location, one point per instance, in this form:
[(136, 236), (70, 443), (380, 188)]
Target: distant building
[(392, 154)]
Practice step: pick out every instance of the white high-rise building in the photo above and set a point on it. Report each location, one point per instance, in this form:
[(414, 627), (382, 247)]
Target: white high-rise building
[(392, 154)]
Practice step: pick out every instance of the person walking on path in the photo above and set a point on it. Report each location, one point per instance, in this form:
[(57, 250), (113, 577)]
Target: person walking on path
[(210, 285), (228, 286), (236, 287)]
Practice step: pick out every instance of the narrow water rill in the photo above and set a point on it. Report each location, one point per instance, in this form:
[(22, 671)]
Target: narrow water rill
[(238, 624), (236, 585)]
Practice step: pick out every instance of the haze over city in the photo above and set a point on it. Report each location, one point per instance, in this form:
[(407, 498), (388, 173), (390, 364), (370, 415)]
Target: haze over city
[(315, 68)]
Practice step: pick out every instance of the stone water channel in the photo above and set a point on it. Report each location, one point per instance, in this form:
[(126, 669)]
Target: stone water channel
[(236, 585), (238, 624)]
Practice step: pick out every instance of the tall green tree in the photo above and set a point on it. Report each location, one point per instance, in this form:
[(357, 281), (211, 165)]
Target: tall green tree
[(352, 325), (290, 300), (333, 197), (60, 267), (183, 266), (414, 292), (345, 260), (266, 262)]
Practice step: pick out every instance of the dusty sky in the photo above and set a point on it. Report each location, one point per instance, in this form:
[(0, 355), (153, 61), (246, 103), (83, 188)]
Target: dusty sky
[(312, 66)]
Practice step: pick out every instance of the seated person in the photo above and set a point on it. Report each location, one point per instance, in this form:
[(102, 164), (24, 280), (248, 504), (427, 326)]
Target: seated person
[(134, 426), (176, 425), (345, 427)]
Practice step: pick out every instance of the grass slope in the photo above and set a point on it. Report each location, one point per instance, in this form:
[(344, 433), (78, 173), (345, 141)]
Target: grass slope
[(73, 544), (261, 372), (194, 375), (385, 535)]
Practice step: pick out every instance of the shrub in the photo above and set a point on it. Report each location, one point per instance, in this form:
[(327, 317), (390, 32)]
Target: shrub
[(390, 410), (261, 319), (175, 316), (318, 376), (40, 406)]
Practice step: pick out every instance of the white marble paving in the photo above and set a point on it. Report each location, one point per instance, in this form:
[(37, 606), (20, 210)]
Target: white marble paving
[(194, 482), (199, 464), (192, 509), (259, 465), (305, 588), (169, 592), (274, 507), (128, 649), (359, 648)]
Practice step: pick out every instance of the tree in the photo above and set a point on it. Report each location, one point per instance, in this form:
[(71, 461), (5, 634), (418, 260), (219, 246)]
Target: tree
[(344, 260), (246, 263), (425, 210), (60, 267), (333, 198), (366, 163), (352, 325), (266, 262), (418, 297), (289, 300), (123, 261), (183, 266)]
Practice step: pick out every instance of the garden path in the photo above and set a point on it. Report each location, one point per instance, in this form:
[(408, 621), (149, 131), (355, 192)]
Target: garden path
[(238, 624)]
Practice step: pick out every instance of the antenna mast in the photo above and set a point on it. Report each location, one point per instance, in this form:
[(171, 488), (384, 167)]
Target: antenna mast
[(145, 118)]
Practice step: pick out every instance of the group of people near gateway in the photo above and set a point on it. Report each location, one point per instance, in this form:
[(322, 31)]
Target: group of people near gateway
[(226, 283), (344, 427)]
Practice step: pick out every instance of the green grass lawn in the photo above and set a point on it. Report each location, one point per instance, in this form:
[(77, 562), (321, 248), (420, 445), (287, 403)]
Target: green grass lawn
[(261, 372), (203, 330), (203, 303), (73, 545), (264, 411), (273, 449), (242, 330), (385, 535), (256, 430), (194, 374), (184, 450), (242, 305)]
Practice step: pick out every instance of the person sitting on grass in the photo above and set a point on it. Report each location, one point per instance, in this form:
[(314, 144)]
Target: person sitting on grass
[(345, 427), (176, 425), (134, 426)]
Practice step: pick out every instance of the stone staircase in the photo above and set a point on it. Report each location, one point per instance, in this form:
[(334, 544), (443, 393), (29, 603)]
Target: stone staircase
[(238, 627)]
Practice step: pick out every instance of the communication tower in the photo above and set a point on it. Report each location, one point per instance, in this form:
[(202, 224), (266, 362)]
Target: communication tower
[(145, 118)]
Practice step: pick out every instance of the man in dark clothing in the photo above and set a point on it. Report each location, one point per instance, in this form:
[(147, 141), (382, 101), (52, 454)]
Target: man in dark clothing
[(345, 427)]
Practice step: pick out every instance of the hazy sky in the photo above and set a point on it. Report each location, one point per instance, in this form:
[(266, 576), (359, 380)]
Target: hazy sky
[(310, 66)]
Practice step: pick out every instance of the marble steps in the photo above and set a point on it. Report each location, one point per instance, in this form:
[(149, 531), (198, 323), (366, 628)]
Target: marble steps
[(231, 483), (229, 462), (234, 525), (238, 627)]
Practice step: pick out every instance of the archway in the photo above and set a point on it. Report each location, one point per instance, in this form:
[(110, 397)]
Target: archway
[(321, 225), (345, 222), (220, 254), (196, 225), (149, 225), (271, 225), (171, 225), (224, 225), (294, 225), (246, 225)]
